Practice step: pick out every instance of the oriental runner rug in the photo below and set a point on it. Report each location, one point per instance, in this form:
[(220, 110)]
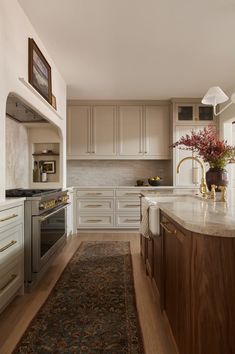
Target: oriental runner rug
[(92, 308)]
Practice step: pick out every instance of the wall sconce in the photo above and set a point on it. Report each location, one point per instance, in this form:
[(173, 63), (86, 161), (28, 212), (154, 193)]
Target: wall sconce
[(215, 96)]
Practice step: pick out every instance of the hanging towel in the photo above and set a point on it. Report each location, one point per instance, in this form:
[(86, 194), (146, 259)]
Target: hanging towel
[(144, 225)]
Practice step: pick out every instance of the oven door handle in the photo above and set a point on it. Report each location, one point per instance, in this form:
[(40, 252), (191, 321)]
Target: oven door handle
[(43, 218)]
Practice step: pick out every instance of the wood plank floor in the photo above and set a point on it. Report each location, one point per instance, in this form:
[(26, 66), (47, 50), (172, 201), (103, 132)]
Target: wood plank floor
[(17, 316)]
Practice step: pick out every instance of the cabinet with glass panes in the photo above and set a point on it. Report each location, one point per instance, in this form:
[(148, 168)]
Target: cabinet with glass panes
[(194, 112)]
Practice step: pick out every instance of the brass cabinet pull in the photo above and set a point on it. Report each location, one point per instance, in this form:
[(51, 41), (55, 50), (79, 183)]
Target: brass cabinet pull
[(132, 220), (131, 205), (13, 276), (93, 206), (132, 194), (8, 246), (94, 193), (172, 232), (98, 220), (9, 217)]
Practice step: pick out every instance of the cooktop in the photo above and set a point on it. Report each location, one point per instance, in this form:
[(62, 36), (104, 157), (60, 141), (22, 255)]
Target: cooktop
[(21, 192)]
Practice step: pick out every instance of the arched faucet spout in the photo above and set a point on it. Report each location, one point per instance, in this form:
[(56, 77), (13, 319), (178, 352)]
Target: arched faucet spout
[(203, 189)]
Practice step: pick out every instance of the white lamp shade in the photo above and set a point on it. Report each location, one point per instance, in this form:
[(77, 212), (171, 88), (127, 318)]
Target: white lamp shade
[(214, 96)]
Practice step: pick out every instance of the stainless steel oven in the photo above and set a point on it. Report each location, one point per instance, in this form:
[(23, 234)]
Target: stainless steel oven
[(49, 232), (45, 229)]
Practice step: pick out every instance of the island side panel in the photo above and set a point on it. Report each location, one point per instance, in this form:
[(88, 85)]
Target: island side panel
[(213, 294)]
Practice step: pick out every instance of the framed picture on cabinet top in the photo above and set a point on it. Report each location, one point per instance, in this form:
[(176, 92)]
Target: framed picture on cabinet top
[(53, 102), (49, 166), (39, 71)]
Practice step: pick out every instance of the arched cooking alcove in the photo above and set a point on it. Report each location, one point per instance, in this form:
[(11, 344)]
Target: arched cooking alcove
[(33, 145)]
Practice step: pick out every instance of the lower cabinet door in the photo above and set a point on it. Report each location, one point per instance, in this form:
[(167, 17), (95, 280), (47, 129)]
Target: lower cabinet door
[(157, 265), (149, 258), (177, 284), (11, 279), (95, 221)]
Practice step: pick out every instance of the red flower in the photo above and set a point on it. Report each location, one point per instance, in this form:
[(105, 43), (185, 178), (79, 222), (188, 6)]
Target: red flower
[(208, 146)]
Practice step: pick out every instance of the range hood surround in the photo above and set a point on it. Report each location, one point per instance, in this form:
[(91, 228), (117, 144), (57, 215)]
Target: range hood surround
[(21, 112)]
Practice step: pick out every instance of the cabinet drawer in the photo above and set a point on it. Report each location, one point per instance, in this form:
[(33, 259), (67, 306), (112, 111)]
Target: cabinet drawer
[(128, 221), (95, 193), (10, 281), (94, 205), (11, 215), (95, 221), (11, 242), (127, 205), (128, 193)]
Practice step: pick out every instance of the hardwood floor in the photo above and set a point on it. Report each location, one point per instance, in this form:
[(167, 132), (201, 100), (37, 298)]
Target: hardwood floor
[(15, 319)]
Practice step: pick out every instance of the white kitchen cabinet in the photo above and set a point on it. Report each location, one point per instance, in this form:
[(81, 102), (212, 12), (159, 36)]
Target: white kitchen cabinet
[(102, 208), (157, 132), (11, 252), (78, 130), (131, 131), (128, 131), (103, 131), (193, 112)]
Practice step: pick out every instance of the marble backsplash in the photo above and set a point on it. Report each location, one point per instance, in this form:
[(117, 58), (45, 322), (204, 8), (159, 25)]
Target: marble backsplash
[(17, 155), (116, 172)]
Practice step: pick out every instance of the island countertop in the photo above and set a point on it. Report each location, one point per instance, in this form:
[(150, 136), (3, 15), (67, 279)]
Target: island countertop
[(195, 214)]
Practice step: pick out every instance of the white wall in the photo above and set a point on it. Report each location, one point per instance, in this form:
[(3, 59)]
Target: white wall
[(17, 155), (15, 29)]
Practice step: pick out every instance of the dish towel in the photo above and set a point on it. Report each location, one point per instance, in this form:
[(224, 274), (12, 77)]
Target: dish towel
[(144, 225)]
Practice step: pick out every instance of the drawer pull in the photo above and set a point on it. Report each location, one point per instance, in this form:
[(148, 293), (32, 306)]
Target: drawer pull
[(98, 220), (93, 206), (8, 246), (132, 220), (132, 205), (9, 217), (172, 232), (13, 276), (94, 193), (137, 194)]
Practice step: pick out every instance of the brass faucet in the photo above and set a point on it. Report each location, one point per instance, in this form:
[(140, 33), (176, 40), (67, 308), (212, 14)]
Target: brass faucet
[(223, 190), (203, 189)]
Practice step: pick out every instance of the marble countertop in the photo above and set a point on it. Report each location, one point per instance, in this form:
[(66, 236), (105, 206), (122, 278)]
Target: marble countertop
[(195, 214), (144, 188)]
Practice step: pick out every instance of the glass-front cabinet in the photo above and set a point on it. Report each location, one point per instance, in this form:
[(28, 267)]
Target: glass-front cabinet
[(194, 112)]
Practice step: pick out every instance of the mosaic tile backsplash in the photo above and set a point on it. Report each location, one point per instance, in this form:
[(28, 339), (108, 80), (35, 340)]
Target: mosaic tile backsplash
[(116, 172)]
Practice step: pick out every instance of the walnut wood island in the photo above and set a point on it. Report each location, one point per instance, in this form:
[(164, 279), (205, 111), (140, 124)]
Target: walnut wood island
[(192, 268)]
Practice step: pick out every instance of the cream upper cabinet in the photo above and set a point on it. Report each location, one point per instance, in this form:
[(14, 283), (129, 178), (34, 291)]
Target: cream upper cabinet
[(130, 131), (113, 131), (157, 132), (78, 131), (103, 131), (193, 112)]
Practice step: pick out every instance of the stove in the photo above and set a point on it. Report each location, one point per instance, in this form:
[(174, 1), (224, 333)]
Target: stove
[(45, 217), (20, 192)]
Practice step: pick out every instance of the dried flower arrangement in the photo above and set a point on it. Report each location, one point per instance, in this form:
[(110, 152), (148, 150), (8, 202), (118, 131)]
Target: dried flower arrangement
[(206, 144)]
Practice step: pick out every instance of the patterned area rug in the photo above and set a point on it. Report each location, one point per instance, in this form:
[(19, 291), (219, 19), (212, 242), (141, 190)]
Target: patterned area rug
[(92, 307)]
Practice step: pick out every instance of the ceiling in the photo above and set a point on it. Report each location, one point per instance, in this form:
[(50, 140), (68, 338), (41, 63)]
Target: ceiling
[(138, 49)]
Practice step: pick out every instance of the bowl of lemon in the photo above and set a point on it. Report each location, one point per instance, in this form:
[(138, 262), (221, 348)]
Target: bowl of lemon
[(155, 181)]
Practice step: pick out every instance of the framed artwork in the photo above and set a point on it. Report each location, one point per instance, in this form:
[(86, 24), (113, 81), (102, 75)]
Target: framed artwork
[(39, 71), (49, 166), (53, 101)]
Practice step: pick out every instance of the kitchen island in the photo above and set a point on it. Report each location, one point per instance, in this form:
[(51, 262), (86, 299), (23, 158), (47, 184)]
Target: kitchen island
[(192, 268)]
